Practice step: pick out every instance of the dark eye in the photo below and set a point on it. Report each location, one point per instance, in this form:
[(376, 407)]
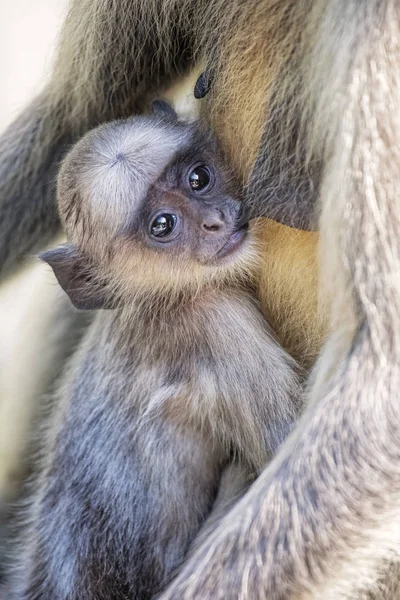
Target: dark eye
[(199, 178), (163, 225)]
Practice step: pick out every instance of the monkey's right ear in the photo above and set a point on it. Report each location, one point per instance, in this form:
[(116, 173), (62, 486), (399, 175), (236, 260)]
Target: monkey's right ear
[(75, 275), (163, 109)]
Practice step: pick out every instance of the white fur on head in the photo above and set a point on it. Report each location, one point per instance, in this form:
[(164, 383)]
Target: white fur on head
[(112, 168)]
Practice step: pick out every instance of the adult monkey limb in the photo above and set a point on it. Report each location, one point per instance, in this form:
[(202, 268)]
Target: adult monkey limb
[(121, 65), (324, 518), (115, 56)]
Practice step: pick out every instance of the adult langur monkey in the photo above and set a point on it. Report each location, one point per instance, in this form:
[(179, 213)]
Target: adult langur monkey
[(304, 98)]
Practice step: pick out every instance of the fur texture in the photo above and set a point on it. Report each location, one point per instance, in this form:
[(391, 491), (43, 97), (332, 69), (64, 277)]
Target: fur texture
[(182, 375), (306, 91), (331, 496), (113, 58)]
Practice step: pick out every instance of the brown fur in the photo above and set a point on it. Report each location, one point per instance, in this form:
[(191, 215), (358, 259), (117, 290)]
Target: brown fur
[(288, 288), (329, 502), (185, 363), (255, 71), (315, 83), (109, 54)]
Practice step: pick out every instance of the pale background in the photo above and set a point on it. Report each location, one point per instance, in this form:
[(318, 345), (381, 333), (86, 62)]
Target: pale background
[(27, 36), (28, 31), (30, 301)]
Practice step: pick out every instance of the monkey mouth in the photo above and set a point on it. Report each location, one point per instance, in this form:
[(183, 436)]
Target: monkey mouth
[(234, 242)]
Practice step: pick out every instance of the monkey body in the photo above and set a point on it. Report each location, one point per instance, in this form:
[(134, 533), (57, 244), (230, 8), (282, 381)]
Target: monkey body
[(141, 443), (304, 99), (182, 374)]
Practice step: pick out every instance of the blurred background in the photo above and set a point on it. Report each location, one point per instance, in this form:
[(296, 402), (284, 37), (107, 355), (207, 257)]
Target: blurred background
[(28, 32), (32, 306)]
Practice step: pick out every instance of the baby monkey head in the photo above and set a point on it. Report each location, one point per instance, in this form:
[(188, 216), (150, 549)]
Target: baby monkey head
[(149, 207)]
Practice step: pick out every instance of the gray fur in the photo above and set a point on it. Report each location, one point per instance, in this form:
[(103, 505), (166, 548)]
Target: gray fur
[(60, 336), (28, 213), (322, 521), (33, 146), (315, 525), (285, 191), (164, 390)]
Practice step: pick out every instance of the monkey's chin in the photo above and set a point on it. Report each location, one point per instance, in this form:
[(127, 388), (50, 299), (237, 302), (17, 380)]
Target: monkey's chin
[(234, 243)]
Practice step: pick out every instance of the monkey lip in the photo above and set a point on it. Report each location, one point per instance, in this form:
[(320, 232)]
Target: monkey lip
[(234, 242)]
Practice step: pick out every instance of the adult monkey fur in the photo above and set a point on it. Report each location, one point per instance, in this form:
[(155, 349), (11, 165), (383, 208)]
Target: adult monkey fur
[(310, 89), (133, 51), (183, 372)]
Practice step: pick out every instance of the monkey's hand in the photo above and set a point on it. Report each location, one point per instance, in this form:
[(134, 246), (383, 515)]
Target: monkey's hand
[(315, 508)]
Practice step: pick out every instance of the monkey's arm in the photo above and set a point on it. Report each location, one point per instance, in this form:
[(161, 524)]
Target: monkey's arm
[(30, 150), (112, 59)]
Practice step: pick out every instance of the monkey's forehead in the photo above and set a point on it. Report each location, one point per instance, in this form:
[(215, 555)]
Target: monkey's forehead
[(142, 145), (123, 159)]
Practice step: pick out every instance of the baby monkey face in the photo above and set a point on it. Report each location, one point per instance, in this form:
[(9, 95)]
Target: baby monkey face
[(189, 214), (151, 202)]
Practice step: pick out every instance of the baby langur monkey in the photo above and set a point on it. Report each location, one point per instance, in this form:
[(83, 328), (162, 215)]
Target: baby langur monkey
[(182, 374)]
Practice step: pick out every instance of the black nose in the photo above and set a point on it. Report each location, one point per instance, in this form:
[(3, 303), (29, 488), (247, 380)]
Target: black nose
[(214, 221)]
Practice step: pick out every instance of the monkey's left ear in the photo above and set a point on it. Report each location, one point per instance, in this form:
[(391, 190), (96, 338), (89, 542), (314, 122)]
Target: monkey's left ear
[(75, 275), (163, 109)]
